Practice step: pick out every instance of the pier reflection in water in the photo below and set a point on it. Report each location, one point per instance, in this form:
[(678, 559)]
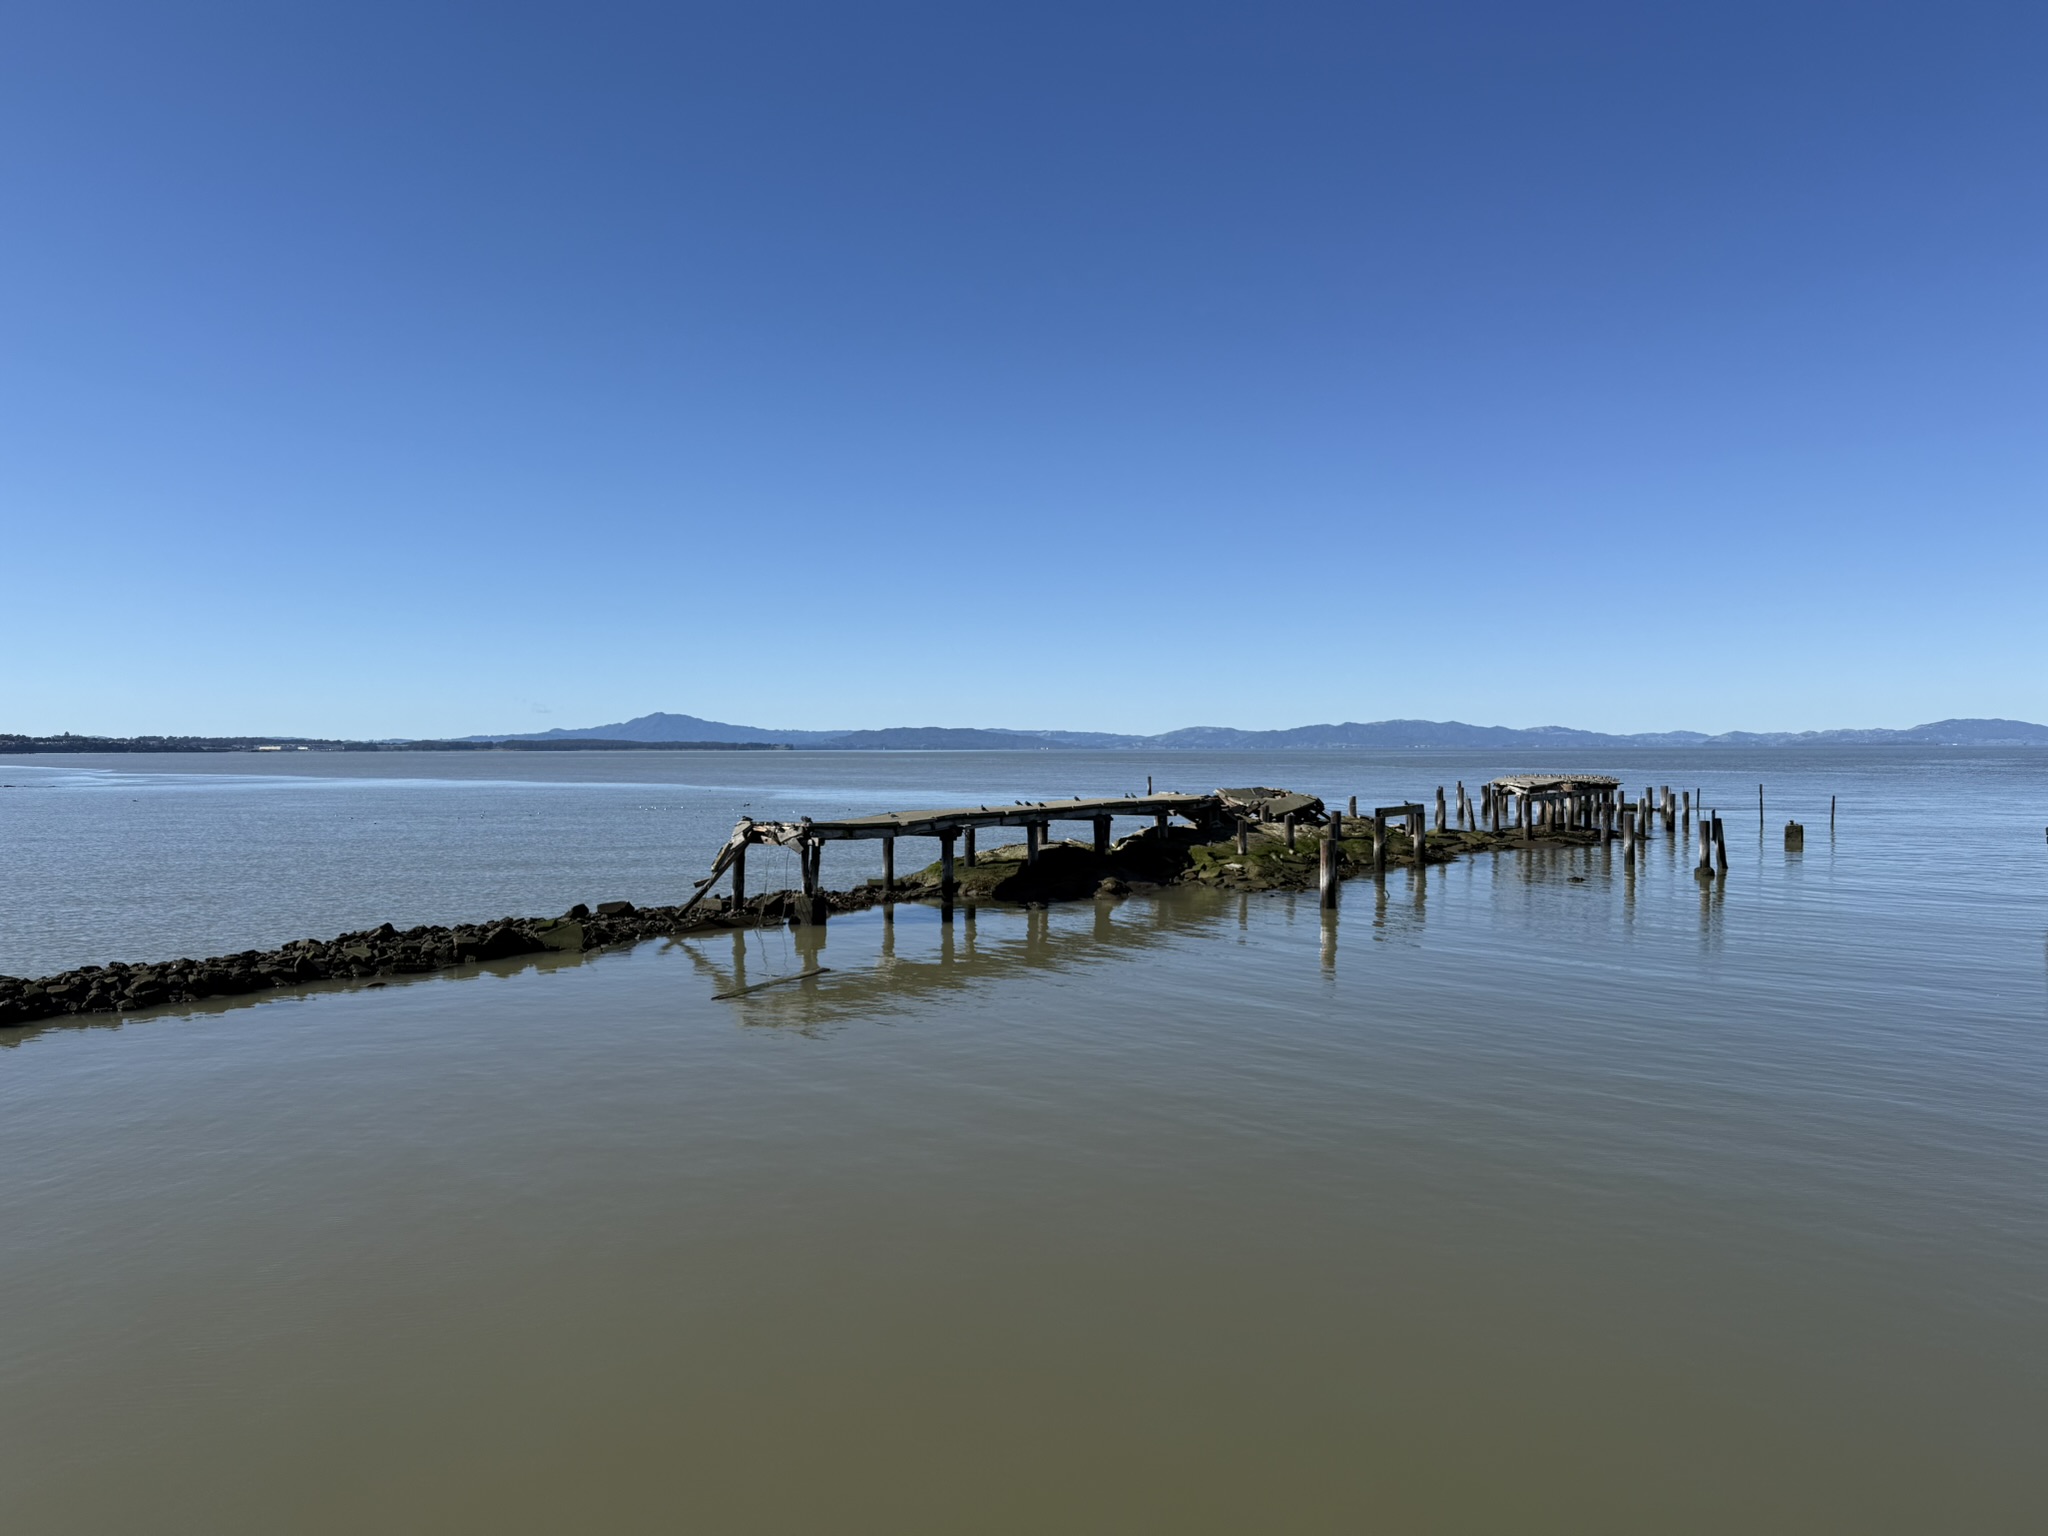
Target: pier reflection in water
[(889, 956)]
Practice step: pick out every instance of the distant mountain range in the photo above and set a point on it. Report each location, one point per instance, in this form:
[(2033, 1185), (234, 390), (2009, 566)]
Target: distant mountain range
[(1382, 734)]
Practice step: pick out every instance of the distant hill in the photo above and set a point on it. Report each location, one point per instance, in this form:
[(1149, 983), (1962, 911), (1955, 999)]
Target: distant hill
[(687, 733), (1380, 734), (664, 727)]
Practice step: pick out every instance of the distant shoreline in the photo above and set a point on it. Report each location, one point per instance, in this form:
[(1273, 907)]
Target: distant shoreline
[(18, 746), (23, 745)]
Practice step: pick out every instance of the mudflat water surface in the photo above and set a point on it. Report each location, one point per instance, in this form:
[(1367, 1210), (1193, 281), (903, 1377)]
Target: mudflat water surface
[(1534, 1195)]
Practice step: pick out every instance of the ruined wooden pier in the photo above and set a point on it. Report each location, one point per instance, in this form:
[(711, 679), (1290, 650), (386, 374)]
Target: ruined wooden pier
[(1513, 810), (950, 825)]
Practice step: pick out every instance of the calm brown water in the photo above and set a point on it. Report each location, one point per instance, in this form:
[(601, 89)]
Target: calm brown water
[(1537, 1198)]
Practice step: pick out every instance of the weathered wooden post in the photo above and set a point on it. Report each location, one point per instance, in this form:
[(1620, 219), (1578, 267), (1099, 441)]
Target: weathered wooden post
[(1418, 831), (807, 869), (1244, 835), (1102, 837), (1705, 867), (1628, 832), (1148, 783), (739, 877), (967, 849), (1331, 854), (810, 855), (1831, 815), (888, 865), (1759, 807), (1795, 837), (1720, 849), (1030, 842), (1159, 823), (1354, 805), (1287, 823), (946, 881), (1379, 842), (1440, 814)]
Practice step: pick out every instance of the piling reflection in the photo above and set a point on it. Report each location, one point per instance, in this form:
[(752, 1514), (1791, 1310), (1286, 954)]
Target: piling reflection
[(1711, 934), (883, 961)]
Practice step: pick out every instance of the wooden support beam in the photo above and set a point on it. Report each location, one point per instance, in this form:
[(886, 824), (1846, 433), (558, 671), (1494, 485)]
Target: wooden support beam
[(1332, 864), (946, 880), (888, 865), (1102, 837), (967, 852), (1030, 842), (739, 876)]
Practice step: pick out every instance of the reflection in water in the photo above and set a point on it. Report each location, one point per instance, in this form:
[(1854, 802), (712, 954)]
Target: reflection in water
[(1711, 893), (912, 951)]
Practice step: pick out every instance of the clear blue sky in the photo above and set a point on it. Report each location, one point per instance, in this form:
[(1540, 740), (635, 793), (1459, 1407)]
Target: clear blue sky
[(376, 369)]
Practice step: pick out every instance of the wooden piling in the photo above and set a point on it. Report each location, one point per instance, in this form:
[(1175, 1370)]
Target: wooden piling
[(1287, 822), (888, 865), (1379, 844), (1831, 815), (739, 876), (1148, 783), (1031, 841), (1244, 836), (1795, 837), (1628, 831), (1440, 813), (967, 849), (946, 881), (1720, 849), (1759, 807), (1354, 805), (1102, 837), (1332, 865), (1420, 833)]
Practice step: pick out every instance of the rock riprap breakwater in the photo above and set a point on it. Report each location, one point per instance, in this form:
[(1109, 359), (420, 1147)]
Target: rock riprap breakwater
[(371, 954)]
